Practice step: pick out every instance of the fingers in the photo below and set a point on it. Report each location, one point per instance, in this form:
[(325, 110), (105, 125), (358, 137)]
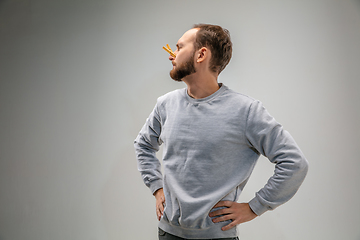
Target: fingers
[(220, 212), (236, 212), (223, 204), (229, 226), (226, 210), (224, 213), (158, 214), (159, 210), (223, 218), (160, 202)]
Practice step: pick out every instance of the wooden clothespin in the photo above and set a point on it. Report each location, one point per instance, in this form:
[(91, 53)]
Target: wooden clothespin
[(168, 49)]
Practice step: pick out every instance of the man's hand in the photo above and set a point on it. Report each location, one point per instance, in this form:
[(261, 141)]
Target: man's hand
[(237, 212), (160, 202)]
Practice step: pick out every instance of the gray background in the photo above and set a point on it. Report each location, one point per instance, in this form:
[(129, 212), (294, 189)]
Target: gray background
[(78, 79)]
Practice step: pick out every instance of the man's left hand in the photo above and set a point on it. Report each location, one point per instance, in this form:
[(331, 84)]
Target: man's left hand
[(237, 212)]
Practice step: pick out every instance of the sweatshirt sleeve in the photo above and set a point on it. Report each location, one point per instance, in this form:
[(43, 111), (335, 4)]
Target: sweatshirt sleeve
[(270, 139), (146, 145)]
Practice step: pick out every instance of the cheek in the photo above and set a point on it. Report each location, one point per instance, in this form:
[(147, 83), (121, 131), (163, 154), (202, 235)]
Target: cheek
[(181, 58), (178, 59), (178, 56)]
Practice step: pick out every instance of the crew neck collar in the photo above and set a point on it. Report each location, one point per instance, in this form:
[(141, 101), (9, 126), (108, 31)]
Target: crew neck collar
[(208, 98)]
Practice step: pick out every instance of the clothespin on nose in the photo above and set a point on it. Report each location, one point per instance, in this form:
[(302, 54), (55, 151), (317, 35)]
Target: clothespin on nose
[(168, 49)]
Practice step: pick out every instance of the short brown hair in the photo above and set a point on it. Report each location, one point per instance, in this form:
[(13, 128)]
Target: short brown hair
[(217, 39)]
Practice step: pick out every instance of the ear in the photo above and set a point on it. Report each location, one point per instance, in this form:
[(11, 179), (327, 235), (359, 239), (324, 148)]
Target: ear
[(202, 54)]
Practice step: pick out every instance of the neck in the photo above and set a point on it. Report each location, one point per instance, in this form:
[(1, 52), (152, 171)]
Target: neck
[(201, 85)]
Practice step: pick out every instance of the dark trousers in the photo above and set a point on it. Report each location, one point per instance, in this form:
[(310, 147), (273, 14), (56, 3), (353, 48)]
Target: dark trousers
[(167, 236)]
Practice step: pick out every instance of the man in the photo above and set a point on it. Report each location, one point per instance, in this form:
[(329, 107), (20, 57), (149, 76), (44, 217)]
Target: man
[(212, 139)]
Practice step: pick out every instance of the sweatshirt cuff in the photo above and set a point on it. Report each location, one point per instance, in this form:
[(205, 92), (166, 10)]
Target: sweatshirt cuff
[(257, 207), (155, 185)]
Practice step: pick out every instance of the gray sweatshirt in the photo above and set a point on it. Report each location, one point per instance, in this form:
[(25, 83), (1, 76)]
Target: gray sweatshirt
[(211, 146)]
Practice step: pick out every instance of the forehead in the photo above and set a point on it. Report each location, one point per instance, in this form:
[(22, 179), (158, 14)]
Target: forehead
[(188, 36)]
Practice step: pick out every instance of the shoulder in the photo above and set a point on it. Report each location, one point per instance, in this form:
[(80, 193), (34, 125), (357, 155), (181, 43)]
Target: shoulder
[(170, 97), (238, 98)]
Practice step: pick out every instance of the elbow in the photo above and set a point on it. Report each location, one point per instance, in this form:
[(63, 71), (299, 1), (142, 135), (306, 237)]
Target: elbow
[(303, 163), (305, 166), (302, 167), (296, 167)]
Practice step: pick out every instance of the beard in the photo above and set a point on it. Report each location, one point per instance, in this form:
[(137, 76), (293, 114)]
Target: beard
[(184, 69)]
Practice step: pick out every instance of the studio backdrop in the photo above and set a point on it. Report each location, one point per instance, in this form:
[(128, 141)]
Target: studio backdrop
[(79, 78)]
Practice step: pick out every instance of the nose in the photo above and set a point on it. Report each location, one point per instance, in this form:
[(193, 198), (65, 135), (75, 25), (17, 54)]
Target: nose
[(171, 58)]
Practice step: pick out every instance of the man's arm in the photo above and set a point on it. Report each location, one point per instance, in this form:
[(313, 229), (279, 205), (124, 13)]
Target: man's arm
[(267, 137), (146, 145)]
